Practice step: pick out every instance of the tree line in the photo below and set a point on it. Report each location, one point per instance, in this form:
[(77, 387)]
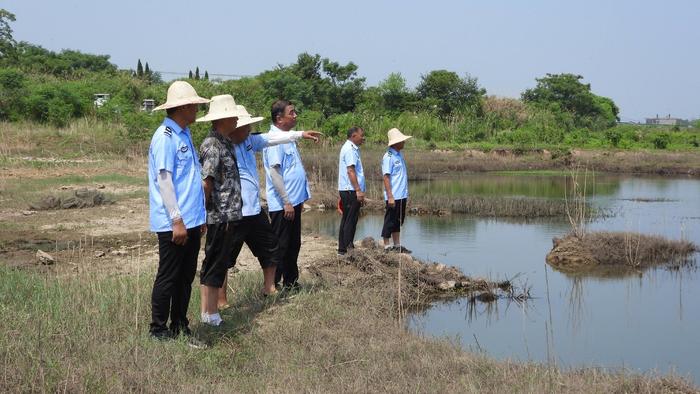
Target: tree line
[(40, 85)]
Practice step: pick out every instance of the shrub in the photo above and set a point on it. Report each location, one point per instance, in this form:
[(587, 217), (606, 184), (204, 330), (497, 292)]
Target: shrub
[(614, 136), (660, 140)]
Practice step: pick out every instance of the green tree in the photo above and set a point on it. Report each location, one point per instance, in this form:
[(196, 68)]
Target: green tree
[(67, 63), (139, 69), (7, 42), (395, 94), (190, 75), (566, 92), (344, 87), (206, 75), (196, 73), (283, 83), (12, 94), (447, 92)]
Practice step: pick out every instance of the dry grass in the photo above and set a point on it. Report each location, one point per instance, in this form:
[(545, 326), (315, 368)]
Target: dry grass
[(418, 282), (88, 334)]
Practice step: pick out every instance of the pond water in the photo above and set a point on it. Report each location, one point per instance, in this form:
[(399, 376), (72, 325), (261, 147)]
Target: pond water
[(645, 321)]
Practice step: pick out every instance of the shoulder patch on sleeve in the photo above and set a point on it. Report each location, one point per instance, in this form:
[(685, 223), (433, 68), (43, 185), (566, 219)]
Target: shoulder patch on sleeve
[(168, 131)]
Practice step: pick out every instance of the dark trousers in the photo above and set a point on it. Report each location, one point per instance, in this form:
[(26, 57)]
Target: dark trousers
[(348, 223), (219, 252), (289, 238), (172, 287), (394, 217)]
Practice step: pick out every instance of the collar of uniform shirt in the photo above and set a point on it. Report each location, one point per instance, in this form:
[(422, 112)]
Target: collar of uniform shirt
[(275, 129), (173, 125), (353, 145), (394, 151)]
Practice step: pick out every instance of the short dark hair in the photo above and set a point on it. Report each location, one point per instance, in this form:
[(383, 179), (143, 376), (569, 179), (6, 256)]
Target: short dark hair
[(278, 109), (353, 130)]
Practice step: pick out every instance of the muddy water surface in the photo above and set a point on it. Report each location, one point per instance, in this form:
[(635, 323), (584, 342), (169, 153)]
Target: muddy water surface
[(644, 321)]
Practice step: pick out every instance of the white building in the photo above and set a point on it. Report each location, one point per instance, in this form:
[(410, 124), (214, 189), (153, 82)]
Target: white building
[(667, 121), (99, 99)]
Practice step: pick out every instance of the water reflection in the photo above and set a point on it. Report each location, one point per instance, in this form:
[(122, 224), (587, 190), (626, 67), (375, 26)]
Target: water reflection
[(526, 185), (644, 320)]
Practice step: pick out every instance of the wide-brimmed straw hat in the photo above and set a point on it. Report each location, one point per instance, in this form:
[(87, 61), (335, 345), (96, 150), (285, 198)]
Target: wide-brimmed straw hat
[(221, 107), (181, 93), (395, 136), (246, 118)]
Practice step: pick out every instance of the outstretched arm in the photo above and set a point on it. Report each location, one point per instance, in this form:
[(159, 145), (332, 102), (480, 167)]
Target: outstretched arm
[(272, 139)]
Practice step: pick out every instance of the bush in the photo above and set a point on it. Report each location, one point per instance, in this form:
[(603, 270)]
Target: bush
[(338, 125), (53, 103), (660, 140), (614, 136), (12, 93)]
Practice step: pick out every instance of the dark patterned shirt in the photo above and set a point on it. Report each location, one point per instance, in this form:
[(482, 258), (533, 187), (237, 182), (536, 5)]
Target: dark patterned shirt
[(218, 158)]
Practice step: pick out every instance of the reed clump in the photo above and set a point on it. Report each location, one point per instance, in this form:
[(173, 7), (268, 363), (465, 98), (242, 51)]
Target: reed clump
[(617, 249)]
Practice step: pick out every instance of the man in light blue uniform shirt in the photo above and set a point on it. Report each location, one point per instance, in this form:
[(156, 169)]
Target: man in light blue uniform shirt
[(351, 187), (395, 178), (287, 190), (177, 212), (255, 229)]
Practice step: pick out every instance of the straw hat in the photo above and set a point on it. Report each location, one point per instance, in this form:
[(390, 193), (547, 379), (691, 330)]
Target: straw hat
[(246, 118), (221, 107), (395, 136), (181, 93)]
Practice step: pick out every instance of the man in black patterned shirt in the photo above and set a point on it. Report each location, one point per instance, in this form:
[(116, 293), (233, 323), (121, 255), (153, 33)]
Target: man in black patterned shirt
[(222, 191)]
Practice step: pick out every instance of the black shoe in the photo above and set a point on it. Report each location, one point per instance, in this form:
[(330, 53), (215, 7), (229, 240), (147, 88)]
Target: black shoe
[(402, 249), (290, 289), (195, 343), (192, 340), (176, 331), (162, 335)]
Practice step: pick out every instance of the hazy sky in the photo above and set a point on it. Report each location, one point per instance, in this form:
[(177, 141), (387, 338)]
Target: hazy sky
[(643, 54)]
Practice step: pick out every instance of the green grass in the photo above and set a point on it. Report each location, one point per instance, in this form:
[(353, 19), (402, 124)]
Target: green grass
[(89, 334)]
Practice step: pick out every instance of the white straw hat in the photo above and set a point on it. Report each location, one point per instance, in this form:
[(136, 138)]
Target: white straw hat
[(395, 136), (246, 118), (181, 93), (221, 107)]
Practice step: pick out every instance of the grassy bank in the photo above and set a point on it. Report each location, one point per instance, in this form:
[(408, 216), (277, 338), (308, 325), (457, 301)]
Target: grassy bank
[(30, 144), (88, 334)]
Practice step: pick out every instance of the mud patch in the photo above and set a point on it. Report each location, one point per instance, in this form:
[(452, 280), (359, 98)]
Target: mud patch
[(81, 198)]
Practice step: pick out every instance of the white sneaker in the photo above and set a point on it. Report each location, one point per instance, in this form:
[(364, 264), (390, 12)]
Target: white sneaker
[(211, 320)]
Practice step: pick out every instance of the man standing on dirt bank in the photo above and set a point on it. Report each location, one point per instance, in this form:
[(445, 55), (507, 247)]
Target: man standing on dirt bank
[(254, 228), (351, 187), (222, 191), (395, 190), (287, 190), (177, 213)]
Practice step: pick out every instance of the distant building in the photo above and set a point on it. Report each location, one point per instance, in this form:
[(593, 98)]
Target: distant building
[(667, 121), (99, 99), (148, 105)]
